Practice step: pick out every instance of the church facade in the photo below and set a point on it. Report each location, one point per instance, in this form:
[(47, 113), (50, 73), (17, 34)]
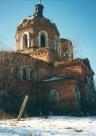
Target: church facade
[(45, 68)]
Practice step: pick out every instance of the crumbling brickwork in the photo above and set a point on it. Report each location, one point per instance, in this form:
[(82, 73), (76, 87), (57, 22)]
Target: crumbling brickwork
[(43, 66)]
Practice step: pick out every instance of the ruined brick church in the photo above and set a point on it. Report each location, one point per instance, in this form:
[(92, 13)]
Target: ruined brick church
[(45, 68)]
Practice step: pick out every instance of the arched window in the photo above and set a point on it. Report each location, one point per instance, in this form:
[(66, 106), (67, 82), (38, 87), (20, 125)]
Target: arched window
[(42, 40), (25, 41), (53, 95), (16, 72), (56, 43), (65, 53), (32, 75), (24, 74), (77, 94)]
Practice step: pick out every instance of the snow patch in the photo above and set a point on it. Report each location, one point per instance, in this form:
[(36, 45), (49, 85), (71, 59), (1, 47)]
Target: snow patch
[(57, 126), (52, 79)]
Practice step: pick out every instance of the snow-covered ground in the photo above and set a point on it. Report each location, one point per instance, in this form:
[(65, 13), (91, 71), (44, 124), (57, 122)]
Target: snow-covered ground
[(52, 126)]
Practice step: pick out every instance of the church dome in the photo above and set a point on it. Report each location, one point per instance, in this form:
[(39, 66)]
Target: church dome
[(37, 19), (36, 30)]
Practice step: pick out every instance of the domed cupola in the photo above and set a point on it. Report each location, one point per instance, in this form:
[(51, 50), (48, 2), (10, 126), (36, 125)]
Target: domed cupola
[(39, 10), (36, 32)]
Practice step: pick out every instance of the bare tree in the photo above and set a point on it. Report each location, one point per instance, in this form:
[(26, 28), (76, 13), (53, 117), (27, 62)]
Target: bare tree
[(9, 63)]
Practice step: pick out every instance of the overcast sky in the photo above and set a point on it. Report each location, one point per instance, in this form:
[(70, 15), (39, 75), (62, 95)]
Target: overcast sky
[(75, 19)]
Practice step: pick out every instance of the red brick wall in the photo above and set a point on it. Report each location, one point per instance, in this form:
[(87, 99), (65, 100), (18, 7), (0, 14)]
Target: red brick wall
[(66, 90)]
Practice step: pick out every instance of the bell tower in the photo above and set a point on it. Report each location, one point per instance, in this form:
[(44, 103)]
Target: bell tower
[(37, 36)]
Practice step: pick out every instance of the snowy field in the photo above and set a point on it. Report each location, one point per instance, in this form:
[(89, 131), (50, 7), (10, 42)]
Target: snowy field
[(52, 126)]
